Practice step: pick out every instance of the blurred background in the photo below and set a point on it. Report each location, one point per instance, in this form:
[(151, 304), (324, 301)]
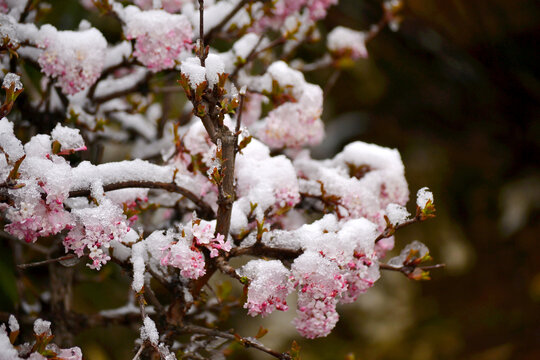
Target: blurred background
[(457, 91)]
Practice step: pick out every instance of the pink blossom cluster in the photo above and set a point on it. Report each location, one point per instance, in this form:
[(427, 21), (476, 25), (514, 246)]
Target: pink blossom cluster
[(3, 7), (96, 227), (170, 6), (319, 282), (295, 121), (185, 253), (285, 8), (269, 286), (295, 124), (160, 37), (74, 58), (45, 183), (365, 177)]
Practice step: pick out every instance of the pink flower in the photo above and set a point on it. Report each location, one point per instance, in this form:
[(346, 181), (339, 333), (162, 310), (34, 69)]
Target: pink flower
[(160, 37), (74, 58)]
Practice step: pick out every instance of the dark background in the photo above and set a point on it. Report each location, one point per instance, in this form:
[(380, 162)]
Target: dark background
[(457, 91)]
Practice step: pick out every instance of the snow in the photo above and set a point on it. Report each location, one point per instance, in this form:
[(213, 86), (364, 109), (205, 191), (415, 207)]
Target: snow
[(7, 351), (149, 331), (69, 139), (138, 254), (214, 66), (397, 214), (14, 80), (192, 69), (423, 196), (342, 39), (13, 323), (42, 327), (11, 146)]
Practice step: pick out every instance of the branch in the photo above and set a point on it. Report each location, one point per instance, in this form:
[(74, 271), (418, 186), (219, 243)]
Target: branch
[(263, 250), (389, 231), (208, 37), (45, 262), (246, 342), (206, 210)]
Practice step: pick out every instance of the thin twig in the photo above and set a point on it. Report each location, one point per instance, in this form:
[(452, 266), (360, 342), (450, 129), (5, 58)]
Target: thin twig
[(247, 343), (208, 37), (139, 352), (45, 262)]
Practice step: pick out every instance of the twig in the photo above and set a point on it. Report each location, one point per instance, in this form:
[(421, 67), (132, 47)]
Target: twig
[(139, 352), (201, 32), (208, 37), (45, 262), (389, 231), (247, 343)]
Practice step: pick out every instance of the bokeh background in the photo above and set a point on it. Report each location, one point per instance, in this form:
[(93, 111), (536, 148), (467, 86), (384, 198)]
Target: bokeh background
[(457, 91)]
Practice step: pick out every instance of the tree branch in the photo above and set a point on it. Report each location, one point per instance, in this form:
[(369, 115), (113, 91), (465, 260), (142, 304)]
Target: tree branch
[(206, 211), (246, 342)]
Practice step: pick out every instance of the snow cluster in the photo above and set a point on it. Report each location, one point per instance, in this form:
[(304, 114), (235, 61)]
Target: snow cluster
[(267, 182), (74, 58), (149, 331), (423, 196), (159, 37), (192, 69), (344, 41), (12, 80), (365, 177)]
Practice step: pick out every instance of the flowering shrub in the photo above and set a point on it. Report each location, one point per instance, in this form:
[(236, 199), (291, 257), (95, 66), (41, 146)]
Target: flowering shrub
[(232, 179)]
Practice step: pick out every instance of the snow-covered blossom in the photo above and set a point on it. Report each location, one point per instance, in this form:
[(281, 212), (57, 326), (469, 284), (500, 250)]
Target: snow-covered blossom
[(96, 227), (319, 283), (182, 255), (159, 37), (295, 122), (344, 41), (282, 9), (268, 287), (74, 58), (365, 177)]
